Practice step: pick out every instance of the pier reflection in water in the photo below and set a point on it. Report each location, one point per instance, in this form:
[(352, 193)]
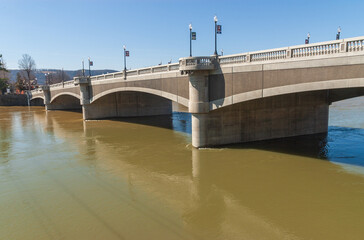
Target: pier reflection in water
[(62, 178)]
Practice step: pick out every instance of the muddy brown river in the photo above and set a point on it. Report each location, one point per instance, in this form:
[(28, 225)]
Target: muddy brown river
[(140, 178)]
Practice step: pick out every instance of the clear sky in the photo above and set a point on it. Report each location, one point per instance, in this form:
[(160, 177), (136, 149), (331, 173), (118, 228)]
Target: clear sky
[(59, 34)]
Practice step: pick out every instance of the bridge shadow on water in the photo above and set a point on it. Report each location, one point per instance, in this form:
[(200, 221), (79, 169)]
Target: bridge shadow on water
[(177, 121), (339, 144)]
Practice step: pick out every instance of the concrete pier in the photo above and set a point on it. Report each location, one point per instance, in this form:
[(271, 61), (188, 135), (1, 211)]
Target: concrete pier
[(261, 119)]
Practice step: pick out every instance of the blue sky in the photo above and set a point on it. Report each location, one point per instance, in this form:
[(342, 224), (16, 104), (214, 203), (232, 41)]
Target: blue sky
[(59, 34)]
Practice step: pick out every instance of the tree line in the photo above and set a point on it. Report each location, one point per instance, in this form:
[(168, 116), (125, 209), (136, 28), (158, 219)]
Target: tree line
[(26, 78)]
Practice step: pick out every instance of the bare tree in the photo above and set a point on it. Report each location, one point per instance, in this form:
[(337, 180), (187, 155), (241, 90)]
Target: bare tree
[(28, 67)]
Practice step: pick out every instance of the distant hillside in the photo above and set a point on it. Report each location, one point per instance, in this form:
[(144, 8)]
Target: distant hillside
[(40, 74)]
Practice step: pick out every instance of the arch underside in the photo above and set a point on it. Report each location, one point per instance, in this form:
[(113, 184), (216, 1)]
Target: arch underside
[(65, 94), (36, 97), (65, 101), (127, 104), (173, 97), (337, 90), (37, 101)]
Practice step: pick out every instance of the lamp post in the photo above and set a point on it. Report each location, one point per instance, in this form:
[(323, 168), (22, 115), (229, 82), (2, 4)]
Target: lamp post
[(307, 41), (46, 79), (215, 20), (83, 68), (90, 63), (124, 47), (338, 33), (190, 27), (126, 54)]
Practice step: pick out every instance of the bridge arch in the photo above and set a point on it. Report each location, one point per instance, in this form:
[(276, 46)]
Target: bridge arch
[(37, 101), (128, 102), (163, 94), (349, 88), (65, 101), (65, 94), (37, 97)]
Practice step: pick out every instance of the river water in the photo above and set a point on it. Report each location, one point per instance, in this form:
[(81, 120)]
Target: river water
[(139, 178)]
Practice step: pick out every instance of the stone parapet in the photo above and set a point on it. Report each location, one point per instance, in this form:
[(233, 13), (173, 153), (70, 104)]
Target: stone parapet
[(197, 63)]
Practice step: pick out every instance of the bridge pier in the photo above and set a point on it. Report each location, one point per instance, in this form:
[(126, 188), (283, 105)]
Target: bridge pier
[(47, 97), (262, 119), (199, 105)]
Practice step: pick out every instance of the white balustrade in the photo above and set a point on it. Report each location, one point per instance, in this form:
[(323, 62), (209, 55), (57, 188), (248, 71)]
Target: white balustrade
[(132, 73), (143, 71), (307, 50), (269, 55), (118, 75), (315, 50), (160, 69), (174, 67), (356, 45), (233, 59)]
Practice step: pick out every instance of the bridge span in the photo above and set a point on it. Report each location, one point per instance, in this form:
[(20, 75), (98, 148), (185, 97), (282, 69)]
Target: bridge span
[(236, 98)]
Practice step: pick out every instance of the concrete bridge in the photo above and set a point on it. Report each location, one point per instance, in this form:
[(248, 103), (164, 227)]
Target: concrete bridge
[(236, 98)]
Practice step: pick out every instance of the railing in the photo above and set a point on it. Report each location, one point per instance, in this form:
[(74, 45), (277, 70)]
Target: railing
[(67, 83), (307, 50), (317, 49), (135, 72), (268, 55), (355, 45), (143, 71), (233, 59), (174, 67)]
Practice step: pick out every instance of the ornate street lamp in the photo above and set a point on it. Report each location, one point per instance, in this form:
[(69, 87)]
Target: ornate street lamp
[(217, 31), (338, 33), (307, 40)]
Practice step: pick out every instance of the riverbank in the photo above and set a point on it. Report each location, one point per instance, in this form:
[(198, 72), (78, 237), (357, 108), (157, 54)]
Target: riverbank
[(13, 100)]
